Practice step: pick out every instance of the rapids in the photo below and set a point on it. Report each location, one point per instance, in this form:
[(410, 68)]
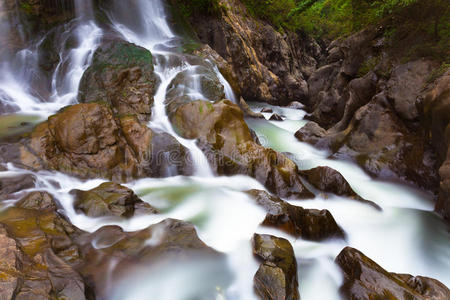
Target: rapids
[(405, 237)]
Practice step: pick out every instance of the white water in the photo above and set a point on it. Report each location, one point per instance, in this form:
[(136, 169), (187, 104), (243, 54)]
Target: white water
[(17, 73), (405, 237)]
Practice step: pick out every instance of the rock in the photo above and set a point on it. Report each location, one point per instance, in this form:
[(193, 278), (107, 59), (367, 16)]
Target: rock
[(260, 56), (276, 117), (110, 199), (313, 134), (88, 141), (39, 253), (276, 278), (309, 224), (266, 110), (331, 181), (364, 279), (11, 185), (228, 144), (405, 86), (37, 201), (11, 256), (206, 52), (209, 84), (436, 110), (248, 112), (121, 74), (170, 239), (296, 105), (378, 140)]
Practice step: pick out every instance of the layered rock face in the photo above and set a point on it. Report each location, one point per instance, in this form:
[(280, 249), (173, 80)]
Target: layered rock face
[(367, 105), (437, 121), (270, 67)]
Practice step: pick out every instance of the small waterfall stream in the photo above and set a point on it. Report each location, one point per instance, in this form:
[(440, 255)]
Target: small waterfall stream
[(405, 237)]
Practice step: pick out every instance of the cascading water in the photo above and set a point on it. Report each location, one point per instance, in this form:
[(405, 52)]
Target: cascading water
[(24, 87), (405, 237)]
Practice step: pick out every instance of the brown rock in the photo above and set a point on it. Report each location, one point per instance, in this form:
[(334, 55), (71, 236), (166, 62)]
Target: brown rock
[(110, 199), (331, 181), (309, 224), (229, 146), (364, 279), (121, 74), (276, 278)]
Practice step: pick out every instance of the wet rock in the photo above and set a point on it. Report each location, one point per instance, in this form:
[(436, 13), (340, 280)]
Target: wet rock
[(266, 110), (10, 185), (207, 81), (378, 140), (248, 112), (117, 252), (331, 181), (227, 71), (88, 141), (436, 109), (313, 134), (260, 56), (296, 105), (364, 279), (276, 277), (38, 241), (121, 74), (276, 117), (309, 224), (110, 199), (228, 144), (37, 201)]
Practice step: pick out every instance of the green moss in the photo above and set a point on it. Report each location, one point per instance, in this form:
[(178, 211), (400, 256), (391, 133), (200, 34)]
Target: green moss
[(368, 66)]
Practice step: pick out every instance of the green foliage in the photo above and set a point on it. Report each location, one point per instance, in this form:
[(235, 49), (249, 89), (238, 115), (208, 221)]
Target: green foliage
[(192, 7), (276, 12)]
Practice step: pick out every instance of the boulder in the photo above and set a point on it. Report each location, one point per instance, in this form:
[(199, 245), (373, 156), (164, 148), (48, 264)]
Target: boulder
[(87, 140), (309, 224), (228, 144), (276, 278), (364, 280), (110, 199), (121, 74), (170, 239), (38, 255), (276, 117), (331, 181)]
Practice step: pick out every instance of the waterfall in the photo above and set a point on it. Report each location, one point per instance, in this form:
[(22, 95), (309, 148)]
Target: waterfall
[(25, 87), (406, 237)]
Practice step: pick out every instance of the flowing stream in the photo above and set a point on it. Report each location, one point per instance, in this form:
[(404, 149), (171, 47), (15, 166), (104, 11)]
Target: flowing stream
[(405, 237)]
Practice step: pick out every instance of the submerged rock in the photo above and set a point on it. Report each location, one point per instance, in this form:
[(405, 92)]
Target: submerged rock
[(309, 224), (364, 280), (111, 199), (228, 144), (276, 278), (121, 74)]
